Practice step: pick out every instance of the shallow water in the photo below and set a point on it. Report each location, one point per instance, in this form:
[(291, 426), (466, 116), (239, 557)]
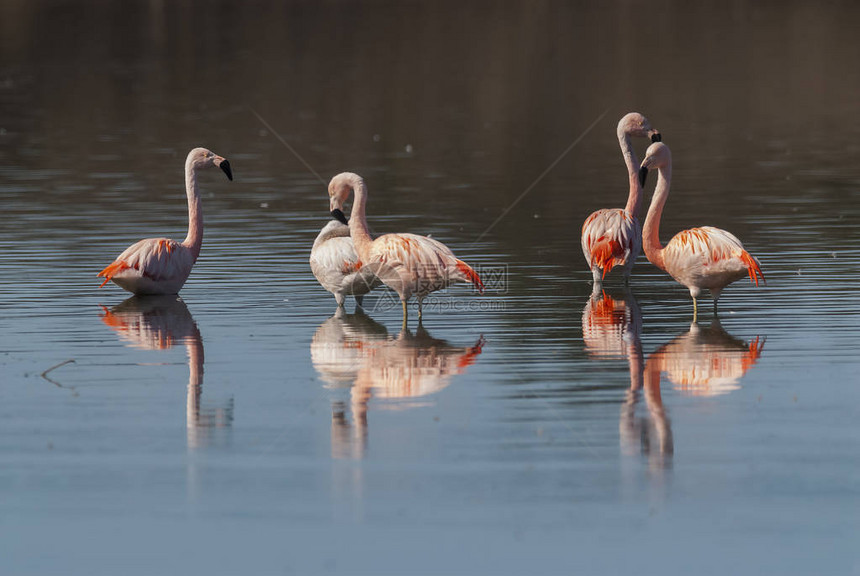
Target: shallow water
[(247, 428)]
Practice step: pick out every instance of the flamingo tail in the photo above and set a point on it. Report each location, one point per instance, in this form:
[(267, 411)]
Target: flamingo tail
[(469, 275), (604, 252), (112, 271), (753, 267)]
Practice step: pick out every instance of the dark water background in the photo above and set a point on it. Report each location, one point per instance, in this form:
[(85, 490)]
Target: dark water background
[(244, 429)]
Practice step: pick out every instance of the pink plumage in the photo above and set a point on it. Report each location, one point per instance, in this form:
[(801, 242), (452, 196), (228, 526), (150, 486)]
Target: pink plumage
[(409, 264), (161, 265), (612, 237), (704, 258)]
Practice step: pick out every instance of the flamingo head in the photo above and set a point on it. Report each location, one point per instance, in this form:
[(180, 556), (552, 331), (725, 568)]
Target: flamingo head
[(658, 155), (635, 124), (339, 189), (203, 158)]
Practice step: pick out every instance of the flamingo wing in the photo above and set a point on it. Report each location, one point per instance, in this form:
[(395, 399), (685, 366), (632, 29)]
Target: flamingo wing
[(611, 237), (338, 268), (156, 259), (424, 261), (704, 252)]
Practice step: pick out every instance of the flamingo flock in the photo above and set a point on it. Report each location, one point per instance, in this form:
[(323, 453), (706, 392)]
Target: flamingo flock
[(348, 261)]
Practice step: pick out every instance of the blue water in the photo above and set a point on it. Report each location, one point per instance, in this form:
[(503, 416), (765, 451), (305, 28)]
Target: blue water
[(246, 427)]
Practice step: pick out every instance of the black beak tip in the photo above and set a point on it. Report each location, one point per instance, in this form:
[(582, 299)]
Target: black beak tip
[(643, 174), (656, 137), (225, 166), (339, 216)]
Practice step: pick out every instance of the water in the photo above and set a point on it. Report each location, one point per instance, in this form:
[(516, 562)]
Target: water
[(245, 428)]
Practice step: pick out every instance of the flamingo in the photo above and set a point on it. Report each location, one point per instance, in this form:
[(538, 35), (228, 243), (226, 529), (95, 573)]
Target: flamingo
[(612, 236), (161, 265), (698, 258), (337, 267), (407, 263)]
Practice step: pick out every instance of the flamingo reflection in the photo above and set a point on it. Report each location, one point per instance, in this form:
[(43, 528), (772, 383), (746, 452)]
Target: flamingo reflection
[(612, 329), (157, 323), (705, 361), (354, 351)]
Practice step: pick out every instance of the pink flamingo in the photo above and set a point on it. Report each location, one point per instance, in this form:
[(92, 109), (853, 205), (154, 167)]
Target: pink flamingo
[(161, 265), (336, 265), (698, 258), (612, 236), (407, 263)]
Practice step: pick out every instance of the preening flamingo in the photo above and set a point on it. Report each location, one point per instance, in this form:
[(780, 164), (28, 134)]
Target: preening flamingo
[(407, 263), (612, 237), (337, 267), (699, 258), (161, 265)]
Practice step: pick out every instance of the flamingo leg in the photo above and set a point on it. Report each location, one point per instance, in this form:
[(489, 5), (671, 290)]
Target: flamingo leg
[(716, 294), (420, 311), (695, 309)]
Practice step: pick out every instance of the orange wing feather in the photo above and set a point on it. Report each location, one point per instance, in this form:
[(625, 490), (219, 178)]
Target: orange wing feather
[(112, 270), (470, 273), (753, 267), (604, 253), (715, 244)]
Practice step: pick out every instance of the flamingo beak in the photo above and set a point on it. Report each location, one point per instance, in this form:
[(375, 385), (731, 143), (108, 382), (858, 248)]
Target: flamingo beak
[(655, 136), (339, 216), (643, 174), (225, 166)]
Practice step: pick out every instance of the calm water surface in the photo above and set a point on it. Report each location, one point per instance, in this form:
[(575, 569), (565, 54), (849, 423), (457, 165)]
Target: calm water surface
[(247, 428)]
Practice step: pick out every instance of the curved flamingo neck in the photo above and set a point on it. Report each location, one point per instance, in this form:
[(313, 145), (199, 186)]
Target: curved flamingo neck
[(634, 198), (651, 230), (194, 240), (358, 228)]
